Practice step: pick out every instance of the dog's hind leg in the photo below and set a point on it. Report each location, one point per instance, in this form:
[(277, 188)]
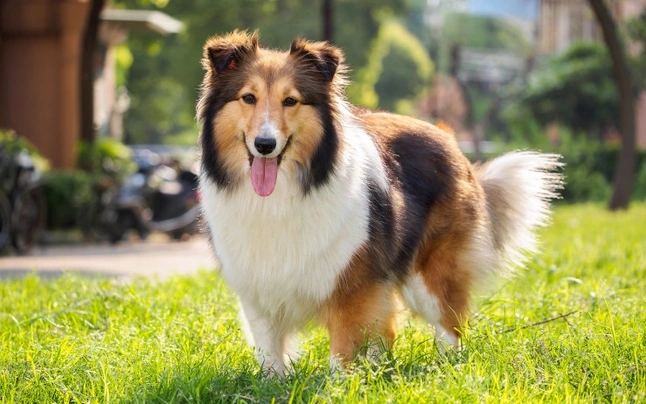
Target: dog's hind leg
[(363, 318), (439, 291)]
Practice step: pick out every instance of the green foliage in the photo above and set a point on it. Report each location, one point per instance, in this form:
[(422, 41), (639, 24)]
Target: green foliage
[(584, 185), (70, 195), (575, 89), (11, 143), (67, 193), (483, 32), (93, 339), (640, 183), (636, 29), (521, 129), (123, 60), (165, 74), (460, 32), (480, 32), (186, 138), (106, 156), (589, 165), (398, 69)]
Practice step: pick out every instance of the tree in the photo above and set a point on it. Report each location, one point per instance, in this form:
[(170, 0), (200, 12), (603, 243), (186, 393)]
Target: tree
[(458, 33), (624, 176), (88, 53), (575, 89), (480, 32), (165, 75), (398, 69), (328, 26)]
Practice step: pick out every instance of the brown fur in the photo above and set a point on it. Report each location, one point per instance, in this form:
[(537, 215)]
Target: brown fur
[(360, 311)]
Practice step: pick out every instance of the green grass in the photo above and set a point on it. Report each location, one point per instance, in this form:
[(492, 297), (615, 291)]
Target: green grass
[(78, 339)]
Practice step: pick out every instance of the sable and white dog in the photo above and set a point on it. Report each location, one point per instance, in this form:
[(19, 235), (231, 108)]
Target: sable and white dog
[(319, 210)]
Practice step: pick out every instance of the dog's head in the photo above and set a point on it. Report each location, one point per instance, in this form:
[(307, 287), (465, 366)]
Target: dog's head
[(265, 111)]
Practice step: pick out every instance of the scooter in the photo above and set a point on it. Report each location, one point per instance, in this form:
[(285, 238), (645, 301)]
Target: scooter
[(22, 202), (160, 197)]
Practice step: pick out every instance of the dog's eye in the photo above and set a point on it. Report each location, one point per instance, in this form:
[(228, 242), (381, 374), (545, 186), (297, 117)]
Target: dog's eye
[(249, 99), (289, 102)]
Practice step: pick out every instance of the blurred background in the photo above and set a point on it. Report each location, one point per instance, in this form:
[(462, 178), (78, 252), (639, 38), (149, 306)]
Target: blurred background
[(97, 97)]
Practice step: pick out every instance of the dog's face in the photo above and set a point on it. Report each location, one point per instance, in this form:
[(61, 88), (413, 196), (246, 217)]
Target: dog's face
[(264, 110)]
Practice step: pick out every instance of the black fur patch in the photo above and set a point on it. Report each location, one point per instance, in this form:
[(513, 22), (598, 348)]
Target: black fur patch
[(322, 164), (325, 156), (382, 216), (382, 233), (214, 101), (424, 173)]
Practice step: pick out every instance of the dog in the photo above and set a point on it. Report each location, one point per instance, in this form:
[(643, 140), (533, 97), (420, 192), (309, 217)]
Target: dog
[(318, 210)]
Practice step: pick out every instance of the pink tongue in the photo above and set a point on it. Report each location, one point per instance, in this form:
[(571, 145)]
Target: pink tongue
[(263, 175)]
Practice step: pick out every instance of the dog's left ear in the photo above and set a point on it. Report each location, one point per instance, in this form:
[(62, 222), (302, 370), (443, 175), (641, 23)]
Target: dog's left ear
[(322, 56)]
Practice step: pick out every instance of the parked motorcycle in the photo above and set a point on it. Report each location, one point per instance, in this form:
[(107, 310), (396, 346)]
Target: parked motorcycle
[(5, 222), (160, 196), (22, 204), (97, 219)]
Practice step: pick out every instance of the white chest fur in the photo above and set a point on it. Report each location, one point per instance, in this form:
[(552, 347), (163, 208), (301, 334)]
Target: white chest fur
[(282, 254)]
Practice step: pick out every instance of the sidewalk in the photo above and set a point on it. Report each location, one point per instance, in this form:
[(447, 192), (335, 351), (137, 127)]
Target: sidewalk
[(157, 258)]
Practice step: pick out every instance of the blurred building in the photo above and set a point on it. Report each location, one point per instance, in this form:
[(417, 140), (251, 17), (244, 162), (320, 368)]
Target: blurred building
[(564, 22), (40, 56), (111, 102)]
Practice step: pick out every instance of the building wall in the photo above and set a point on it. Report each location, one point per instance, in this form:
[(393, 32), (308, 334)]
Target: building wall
[(563, 22), (39, 67), (30, 74)]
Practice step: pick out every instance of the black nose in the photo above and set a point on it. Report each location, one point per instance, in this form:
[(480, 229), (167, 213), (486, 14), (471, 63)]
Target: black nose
[(265, 145)]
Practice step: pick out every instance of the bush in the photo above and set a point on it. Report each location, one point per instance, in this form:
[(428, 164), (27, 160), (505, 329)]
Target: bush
[(583, 185), (576, 89), (11, 144), (589, 165), (589, 172), (67, 193), (106, 156), (639, 193), (71, 194)]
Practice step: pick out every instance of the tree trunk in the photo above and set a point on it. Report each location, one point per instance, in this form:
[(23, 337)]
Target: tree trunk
[(88, 55), (624, 176), (326, 12)]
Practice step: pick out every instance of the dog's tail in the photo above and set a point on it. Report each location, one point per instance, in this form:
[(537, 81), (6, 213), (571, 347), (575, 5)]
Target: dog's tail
[(518, 187)]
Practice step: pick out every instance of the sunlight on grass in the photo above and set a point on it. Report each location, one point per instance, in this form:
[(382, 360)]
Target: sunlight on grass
[(569, 328)]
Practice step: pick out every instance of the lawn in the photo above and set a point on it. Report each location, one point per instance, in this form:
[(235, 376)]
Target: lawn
[(569, 328)]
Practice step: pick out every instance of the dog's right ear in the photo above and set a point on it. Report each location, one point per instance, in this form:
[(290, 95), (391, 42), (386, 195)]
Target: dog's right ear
[(228, 52)]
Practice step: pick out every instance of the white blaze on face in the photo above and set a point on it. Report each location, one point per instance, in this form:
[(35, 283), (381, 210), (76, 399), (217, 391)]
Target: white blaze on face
[(264, 168), (269, 130)]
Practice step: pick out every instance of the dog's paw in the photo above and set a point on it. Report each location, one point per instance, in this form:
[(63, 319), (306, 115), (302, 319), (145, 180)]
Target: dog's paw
[(446, 342), (275, 370)]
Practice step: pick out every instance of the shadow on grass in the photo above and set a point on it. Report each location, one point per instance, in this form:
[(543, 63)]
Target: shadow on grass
[(230, 386), (247, 383)]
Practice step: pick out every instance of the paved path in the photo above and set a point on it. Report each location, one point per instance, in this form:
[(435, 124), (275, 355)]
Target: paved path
[(156, 258)]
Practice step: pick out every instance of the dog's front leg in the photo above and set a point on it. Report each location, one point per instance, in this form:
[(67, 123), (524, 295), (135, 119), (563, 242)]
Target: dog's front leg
[(267, 338)]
